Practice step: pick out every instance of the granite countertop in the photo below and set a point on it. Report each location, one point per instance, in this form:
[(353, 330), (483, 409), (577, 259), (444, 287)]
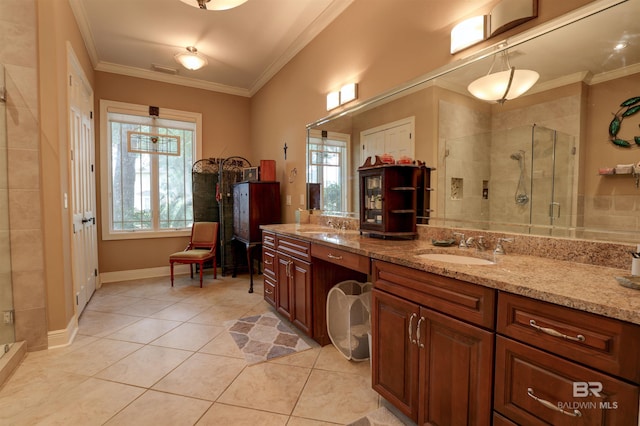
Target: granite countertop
[(575, 285)]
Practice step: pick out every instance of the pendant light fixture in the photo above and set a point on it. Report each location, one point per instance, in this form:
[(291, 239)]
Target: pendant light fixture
[(503, 85), (214, 4), (190, 59)]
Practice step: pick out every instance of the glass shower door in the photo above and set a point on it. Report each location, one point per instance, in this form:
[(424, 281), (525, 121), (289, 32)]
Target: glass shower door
[(7, 332), (552, 181)]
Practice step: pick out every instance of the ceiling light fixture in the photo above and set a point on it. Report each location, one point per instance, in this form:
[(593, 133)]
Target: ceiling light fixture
[(214, 4), (503, 85), (620, 46), (468, 32), (190, 59)]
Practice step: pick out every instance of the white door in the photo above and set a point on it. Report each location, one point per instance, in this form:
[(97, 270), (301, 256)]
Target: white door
[(399, 141), (83, 196), (395, 138)]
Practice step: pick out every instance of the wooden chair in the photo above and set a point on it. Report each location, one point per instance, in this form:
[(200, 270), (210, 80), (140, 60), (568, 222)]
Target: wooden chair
[(201, 248)]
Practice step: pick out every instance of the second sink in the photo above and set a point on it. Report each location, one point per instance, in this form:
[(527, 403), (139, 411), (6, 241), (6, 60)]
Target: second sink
[(455, 258)]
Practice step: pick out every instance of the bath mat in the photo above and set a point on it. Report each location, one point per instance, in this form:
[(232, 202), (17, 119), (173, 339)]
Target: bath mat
[(264, 337), (379, 417)]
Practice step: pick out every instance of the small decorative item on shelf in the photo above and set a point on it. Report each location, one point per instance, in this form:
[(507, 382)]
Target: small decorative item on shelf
[(387, 158), (250, 174), (405, 160)]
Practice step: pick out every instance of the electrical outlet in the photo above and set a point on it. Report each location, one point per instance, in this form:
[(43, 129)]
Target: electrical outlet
[(288, 200), (7, 317)]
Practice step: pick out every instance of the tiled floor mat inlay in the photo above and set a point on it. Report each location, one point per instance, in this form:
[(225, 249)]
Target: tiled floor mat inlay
[(263, 337)]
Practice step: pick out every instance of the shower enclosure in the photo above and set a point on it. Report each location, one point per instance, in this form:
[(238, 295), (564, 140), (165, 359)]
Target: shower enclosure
[(515, 180), (7, 332)]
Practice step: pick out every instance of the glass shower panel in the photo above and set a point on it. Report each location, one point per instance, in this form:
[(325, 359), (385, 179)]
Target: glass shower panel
[(7, 332), (552, 181)]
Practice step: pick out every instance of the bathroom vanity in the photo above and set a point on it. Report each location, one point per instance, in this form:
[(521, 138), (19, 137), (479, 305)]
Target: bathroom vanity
[(525, 340)]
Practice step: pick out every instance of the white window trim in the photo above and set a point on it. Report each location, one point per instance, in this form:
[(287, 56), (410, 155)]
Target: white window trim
[(341, 137), (107, 106)]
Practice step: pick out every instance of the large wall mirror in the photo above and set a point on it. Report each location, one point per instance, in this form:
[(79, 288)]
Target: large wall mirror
[(536, 164)]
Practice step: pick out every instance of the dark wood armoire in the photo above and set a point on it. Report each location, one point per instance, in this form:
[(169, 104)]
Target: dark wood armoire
[(255, 203)]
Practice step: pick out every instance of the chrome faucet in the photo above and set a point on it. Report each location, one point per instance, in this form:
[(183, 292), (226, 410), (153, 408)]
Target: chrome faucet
[(499, 249), (463, 242), (478, 242)]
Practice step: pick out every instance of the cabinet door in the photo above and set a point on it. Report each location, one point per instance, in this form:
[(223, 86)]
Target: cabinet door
[(300, 285), (283, 292), (456, 371), (395, 355)]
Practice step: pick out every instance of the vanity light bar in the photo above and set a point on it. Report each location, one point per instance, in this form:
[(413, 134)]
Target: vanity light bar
[(505, 15), (469, 32), (346, 94)]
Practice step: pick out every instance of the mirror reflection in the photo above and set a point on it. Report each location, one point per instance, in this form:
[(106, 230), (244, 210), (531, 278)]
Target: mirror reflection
[(530, 164)]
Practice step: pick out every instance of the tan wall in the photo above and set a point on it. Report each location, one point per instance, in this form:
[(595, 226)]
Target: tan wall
[(611, 202), (225, 133), (57, 27), (373, 42)]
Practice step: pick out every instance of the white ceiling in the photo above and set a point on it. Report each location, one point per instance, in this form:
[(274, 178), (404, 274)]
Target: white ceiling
[(245, 46)]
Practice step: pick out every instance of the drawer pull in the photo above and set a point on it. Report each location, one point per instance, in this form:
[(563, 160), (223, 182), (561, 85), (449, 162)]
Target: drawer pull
[(268, 262), (266, 290), (333, 256), (554, 333), (420, 344), (411, 339), (574, 413)]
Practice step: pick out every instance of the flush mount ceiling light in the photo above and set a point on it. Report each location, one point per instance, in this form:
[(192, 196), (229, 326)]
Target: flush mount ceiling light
[(503, 85), (190, 59), (214, 4)]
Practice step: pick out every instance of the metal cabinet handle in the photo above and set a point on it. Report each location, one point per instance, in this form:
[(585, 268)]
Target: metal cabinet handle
[(420, 344), (333, 256), (411, 339), (554, 333), (268, 262), (266, 290), (574, 413)]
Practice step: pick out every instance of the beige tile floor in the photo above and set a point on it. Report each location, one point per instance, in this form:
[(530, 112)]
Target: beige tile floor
[(149, 354)]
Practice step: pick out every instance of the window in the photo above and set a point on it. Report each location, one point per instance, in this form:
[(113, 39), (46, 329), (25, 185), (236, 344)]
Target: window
[(327, 159), (146, 170)]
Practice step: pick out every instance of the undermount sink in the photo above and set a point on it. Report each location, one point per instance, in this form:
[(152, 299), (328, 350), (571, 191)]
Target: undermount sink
[(456, 258)]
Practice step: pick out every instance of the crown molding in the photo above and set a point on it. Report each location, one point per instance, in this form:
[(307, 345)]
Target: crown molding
[(80, 14), (172, 79)]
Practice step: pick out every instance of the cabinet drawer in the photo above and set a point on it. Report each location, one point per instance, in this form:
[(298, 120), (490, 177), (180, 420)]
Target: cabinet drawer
[(269, 291), (268, 239), (340, 257), (533, 387), (603, 343), (294, 247), (466, 301), (268, 262)]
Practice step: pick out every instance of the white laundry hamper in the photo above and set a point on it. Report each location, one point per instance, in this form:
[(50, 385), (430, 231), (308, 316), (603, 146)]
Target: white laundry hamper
[(349, 318)]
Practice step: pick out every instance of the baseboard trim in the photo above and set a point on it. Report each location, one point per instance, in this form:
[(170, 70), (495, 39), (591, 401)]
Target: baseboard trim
[(64, 337), (138, 274)]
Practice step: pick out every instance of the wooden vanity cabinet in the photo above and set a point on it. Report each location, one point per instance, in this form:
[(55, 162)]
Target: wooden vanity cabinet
[(293, 281), (435, 367), (560, 366)]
